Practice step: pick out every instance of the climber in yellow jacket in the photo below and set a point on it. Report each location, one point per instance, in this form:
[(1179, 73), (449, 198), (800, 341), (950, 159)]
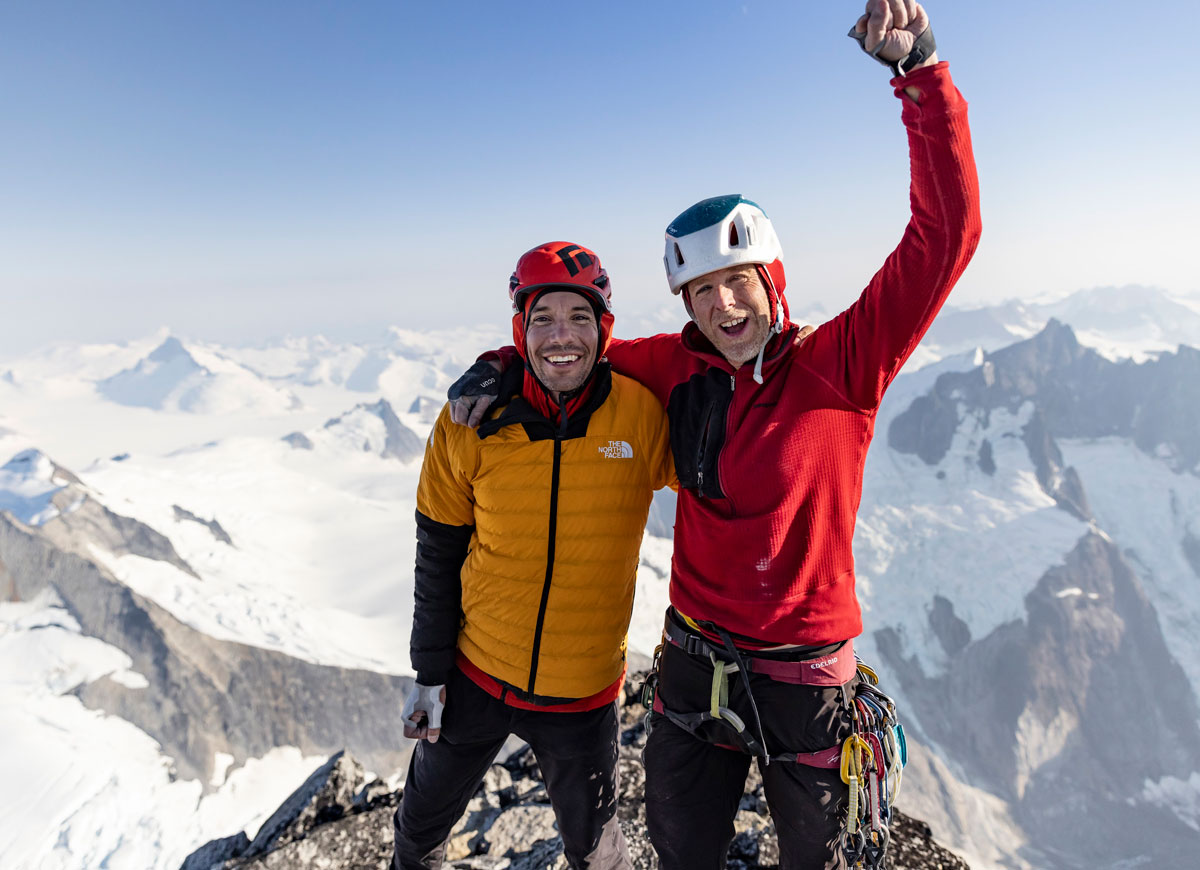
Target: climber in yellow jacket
[(528, 532)]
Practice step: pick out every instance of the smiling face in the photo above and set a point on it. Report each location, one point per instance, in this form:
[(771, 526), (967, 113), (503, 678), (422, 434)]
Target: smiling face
[(561, 335), (730, 307)]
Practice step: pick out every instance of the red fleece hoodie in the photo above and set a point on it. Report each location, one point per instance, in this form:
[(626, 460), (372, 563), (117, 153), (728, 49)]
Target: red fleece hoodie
[(765, 550)]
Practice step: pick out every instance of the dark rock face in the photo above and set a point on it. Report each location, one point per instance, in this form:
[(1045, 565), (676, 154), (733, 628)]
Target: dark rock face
[(298, 440), (8, 590), (1191, 550), (509, 823), (324, 797), (217, 852), (402, 443), (75, 530), (205, 695), (987, 459), (428, 408), (1083, 698), (952, 632), (212, 525), (927, 427)]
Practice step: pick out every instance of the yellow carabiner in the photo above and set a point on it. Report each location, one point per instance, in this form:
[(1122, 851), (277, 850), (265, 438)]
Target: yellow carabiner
[(852, 761), (868, 672)]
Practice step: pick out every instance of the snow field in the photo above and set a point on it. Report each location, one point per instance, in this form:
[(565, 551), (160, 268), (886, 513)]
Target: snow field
[(322, 555), (981, 541), (82, 789)]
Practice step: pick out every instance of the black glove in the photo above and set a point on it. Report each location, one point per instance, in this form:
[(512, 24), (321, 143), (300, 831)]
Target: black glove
[(481, 379), (923, 48)]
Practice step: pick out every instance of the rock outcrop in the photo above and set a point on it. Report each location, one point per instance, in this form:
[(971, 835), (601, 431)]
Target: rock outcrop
[(332, 823), (214, 527)]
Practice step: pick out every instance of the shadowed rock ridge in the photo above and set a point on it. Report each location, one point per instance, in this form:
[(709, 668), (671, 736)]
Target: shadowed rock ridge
[(204, 695), (1070, 713), (1067, 713), (1076, 392), (336, 822)]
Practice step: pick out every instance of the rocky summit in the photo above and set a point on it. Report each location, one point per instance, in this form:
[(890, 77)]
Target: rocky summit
[(339, 821)]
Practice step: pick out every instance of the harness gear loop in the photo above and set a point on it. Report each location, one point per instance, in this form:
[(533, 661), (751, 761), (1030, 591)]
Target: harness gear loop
[(719, 695)]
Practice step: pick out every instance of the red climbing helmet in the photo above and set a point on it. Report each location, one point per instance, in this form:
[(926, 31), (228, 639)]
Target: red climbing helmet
[(561, 265)]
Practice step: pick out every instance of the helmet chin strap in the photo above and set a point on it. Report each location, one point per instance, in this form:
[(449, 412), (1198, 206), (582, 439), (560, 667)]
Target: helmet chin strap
[(776, 328)]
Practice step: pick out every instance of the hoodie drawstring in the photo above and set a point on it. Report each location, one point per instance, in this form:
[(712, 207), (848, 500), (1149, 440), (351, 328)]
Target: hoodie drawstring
[(776, 328)]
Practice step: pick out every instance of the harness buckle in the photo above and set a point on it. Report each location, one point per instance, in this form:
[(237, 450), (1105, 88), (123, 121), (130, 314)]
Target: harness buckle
[(696, 645)]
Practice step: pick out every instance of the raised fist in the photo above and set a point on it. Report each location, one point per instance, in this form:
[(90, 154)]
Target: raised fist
[(892, 27)]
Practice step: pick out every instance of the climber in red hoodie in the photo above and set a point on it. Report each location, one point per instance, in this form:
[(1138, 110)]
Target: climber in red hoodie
[(770, 424)]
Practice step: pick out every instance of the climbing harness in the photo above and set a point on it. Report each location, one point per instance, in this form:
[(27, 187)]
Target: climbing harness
[(870, 761)]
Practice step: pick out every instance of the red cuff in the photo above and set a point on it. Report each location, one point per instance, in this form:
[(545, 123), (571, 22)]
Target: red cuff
[(938, 92)]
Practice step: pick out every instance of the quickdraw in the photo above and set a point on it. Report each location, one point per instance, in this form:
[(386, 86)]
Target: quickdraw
[(873, 758)]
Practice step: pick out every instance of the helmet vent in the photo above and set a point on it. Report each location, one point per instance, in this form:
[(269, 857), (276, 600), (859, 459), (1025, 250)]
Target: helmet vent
[(733, 235), (678, 255)]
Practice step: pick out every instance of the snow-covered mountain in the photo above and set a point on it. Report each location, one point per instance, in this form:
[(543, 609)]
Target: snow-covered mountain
[(195, 611), (175, 378), (1025, 553), (372, 428)]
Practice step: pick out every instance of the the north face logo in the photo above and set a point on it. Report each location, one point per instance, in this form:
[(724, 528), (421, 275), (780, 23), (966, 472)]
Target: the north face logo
[(617, 450)]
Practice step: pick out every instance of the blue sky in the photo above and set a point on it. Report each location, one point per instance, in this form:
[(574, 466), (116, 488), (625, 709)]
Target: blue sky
[(238, 171)]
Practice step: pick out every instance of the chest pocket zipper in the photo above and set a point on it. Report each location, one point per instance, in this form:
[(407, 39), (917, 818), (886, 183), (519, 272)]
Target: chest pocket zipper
[(702, 449)]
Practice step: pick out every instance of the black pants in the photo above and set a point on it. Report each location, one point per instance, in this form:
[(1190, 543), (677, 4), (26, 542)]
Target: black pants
[(693, 786), (577, 754)]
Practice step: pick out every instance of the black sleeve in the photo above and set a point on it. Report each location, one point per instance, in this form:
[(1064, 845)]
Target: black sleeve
[(437, 612)]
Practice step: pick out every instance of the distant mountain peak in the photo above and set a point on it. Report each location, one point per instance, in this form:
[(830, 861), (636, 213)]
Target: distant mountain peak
[(171, 348), (370, 427), (34, 465), (173, 377)]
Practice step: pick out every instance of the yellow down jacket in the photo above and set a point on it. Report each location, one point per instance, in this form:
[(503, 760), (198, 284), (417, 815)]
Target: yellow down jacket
[(557, 517)]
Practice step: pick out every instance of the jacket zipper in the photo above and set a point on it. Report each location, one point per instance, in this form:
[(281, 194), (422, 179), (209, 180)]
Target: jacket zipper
[(541, 619), (704, 440), (701, 450)]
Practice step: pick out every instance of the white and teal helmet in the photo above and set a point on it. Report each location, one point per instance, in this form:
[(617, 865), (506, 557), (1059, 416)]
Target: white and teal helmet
[(718, 233)]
